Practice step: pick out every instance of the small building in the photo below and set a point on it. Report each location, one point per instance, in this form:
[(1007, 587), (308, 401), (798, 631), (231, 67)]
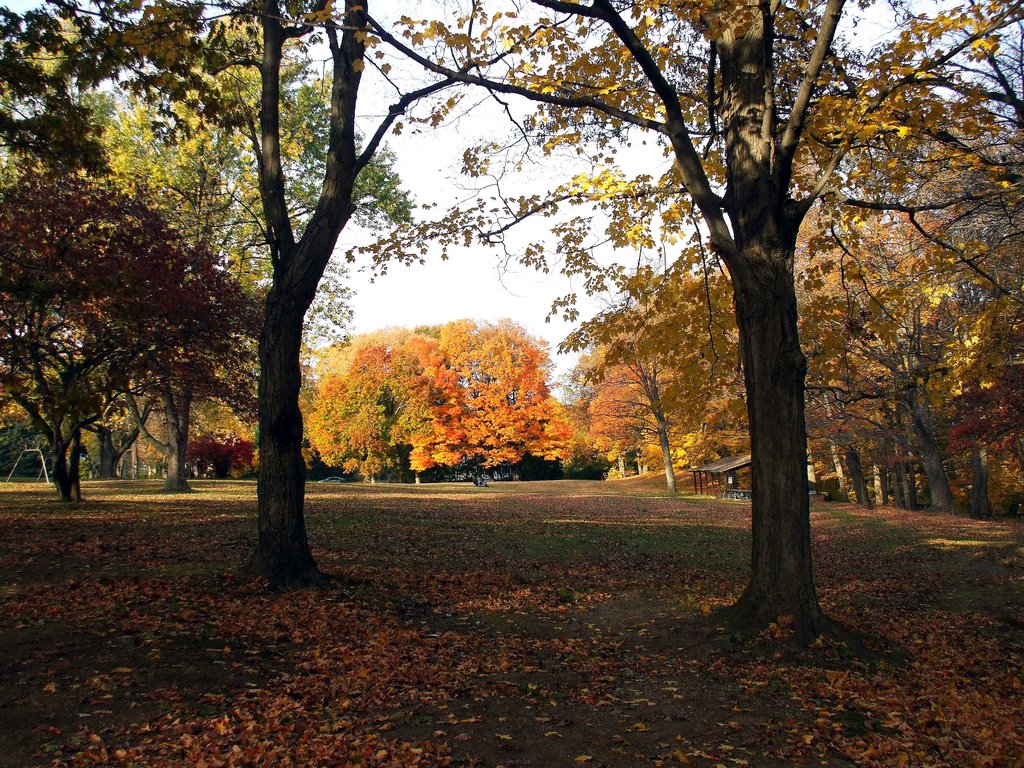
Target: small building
[(721, 477)]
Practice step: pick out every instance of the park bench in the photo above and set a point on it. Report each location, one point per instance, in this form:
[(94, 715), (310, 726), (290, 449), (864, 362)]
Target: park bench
[(737, 494)]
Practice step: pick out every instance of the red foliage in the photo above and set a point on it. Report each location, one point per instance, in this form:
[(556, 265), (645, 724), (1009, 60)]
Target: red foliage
[(221, 454)]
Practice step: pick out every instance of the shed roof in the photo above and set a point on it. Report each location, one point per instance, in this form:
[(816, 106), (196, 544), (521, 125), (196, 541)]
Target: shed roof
[(727, 464)]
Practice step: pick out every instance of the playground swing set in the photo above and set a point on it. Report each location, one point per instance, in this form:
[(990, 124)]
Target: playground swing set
[(37, 451)]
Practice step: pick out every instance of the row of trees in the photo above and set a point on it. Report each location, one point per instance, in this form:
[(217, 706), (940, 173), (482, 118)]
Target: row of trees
[(761, 110)]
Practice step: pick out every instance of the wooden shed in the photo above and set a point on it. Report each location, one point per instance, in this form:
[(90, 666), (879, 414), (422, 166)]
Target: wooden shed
[(720, 477)]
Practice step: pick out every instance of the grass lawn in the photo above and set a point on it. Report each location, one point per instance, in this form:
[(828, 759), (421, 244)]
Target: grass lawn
[(527, 624)]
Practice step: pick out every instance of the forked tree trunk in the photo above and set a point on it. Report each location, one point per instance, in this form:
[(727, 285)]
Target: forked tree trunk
[(782, 582), (177, 414), (860, 487), (980, 508), (931, 454)]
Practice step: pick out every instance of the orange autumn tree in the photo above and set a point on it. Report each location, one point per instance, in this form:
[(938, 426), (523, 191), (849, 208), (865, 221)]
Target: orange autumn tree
[(490, 404), (364, 417)]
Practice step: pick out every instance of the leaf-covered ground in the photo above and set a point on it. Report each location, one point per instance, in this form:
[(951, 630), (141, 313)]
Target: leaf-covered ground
[(521, 625)]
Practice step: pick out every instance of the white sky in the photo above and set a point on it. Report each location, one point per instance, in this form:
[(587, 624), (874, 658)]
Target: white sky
[(473, 283)]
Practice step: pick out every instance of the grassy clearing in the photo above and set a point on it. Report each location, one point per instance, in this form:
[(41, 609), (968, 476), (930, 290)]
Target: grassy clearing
[(540, 624)]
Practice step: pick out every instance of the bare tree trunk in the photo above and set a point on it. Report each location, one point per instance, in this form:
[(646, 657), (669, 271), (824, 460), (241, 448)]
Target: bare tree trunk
[(108, 453), (886, 459), (931, 454), (666, 449), (881, 486), (898, 487), (909, 484), (74, 464), (860, 487), (980, 508), (62, 477), (844, 493)]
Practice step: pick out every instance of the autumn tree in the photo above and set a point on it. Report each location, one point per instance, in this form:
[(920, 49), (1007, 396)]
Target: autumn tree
[(221, 454), (115, 433), (488, 399), (364, 417), (178, 50), (88, 276), (213, 358), (657, 360), (42, 115)]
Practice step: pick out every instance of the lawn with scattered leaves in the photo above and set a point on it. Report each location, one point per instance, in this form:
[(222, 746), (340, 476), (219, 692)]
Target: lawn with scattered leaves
[(542, 624)]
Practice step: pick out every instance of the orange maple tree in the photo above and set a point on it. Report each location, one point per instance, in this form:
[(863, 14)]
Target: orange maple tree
[(363, 418), (489, 399)]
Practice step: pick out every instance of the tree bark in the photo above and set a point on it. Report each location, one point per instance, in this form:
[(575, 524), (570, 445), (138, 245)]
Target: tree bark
[(283, 555), (111, 451), (980, 509), (62, 479), (782, 582), (74, 464), (897, 485), (881, 486), (931, 454), (860, 487), (837, 464), (666, 457), (909, 484), (177, 414)]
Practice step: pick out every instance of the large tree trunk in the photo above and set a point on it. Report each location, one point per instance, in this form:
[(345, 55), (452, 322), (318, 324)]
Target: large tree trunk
[(108, 453), (282, 554), (881, 486), (75, 464), (282, 551), (177, 414), (666, 455), (62, 478), (111, 451), (837, 464), (980, 508), (931, 454), (782, 582), (860, 488), (909, 484), (670, 472), (898, 486)]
